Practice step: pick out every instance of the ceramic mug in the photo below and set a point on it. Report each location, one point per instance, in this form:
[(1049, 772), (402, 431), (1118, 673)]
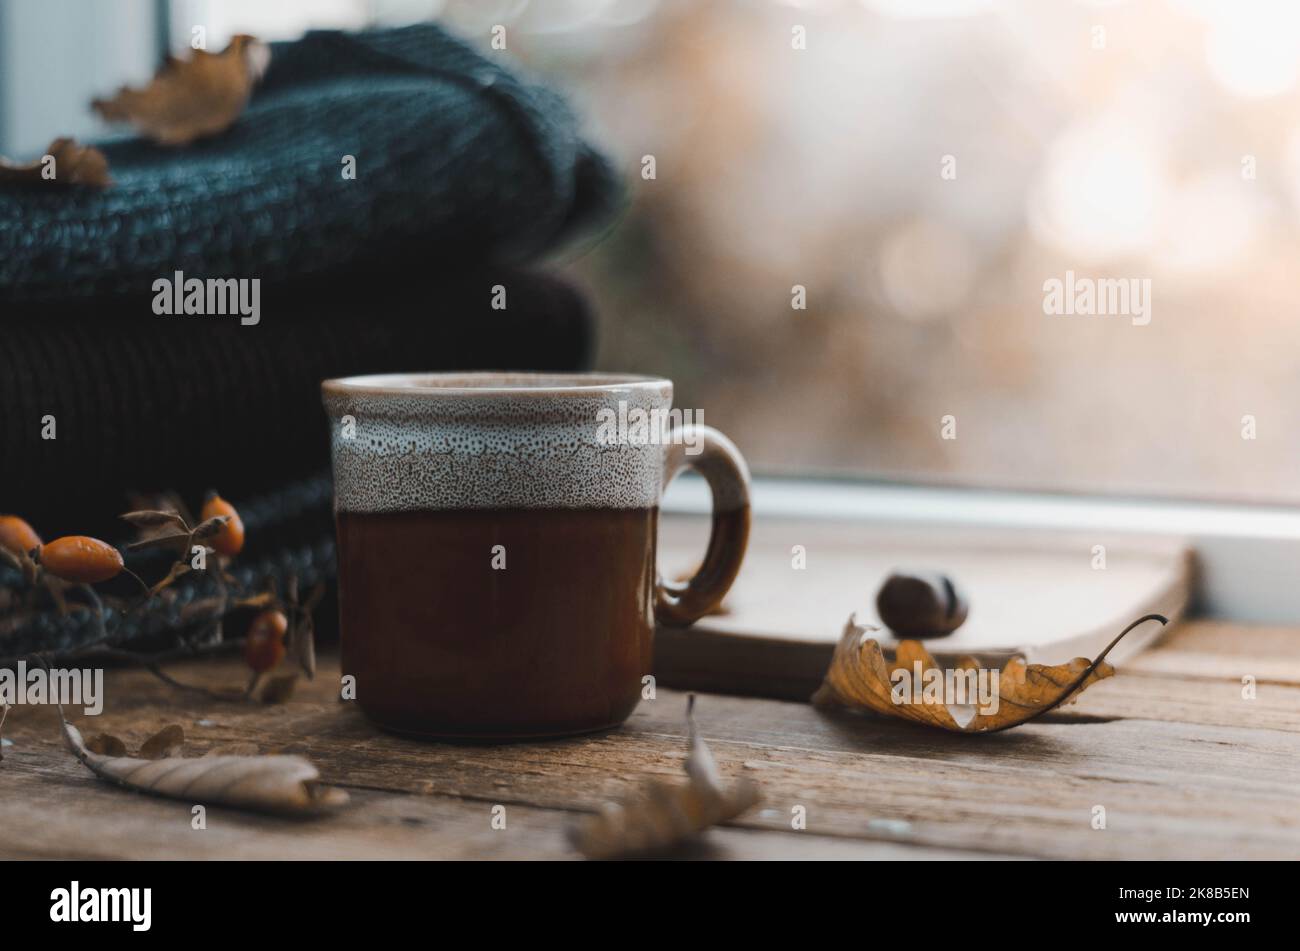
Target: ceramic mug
[(496, 545)]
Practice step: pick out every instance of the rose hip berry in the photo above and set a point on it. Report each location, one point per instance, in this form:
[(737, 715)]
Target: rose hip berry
[(264, 645), (17, 536), (80, 559), (230, 540)]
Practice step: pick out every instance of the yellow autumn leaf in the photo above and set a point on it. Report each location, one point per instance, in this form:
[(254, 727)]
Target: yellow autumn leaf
[(193, 98), (861, 677), (65, 163)]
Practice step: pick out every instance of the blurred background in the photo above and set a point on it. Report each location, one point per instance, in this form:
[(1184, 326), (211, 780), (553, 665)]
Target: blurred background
[(919, 168)]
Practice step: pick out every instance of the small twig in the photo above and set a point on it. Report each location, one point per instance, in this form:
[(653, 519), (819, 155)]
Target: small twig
[(193, 688), (148, 592), (1080, 680)]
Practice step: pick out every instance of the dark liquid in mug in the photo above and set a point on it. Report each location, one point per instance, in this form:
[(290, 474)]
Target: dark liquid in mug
[(444, 644)]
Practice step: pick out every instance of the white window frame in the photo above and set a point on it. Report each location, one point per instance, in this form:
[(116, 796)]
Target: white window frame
[(1247, 557), (111, 44)]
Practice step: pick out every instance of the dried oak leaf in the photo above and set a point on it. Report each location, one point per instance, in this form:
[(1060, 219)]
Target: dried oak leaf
[(277, 784), (861, 678), (190, 99), (74, 164), (663, 815)]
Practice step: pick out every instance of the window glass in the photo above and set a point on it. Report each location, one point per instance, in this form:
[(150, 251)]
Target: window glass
[(1016, 243)]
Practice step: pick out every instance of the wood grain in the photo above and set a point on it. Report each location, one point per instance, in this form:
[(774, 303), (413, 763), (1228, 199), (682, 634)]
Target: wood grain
[(1183, 766)]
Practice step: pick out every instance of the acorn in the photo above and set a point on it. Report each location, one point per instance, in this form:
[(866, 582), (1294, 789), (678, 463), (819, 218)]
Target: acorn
[(921, 604)]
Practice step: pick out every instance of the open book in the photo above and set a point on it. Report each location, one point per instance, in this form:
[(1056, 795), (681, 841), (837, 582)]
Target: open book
[(1047, 597)]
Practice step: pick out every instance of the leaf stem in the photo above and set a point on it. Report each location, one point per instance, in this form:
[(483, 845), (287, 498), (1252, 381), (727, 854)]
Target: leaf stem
[(1083, 677)]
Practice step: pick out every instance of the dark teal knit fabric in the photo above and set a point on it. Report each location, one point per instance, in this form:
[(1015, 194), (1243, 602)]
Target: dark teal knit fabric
[(463, 172), (457, 160)]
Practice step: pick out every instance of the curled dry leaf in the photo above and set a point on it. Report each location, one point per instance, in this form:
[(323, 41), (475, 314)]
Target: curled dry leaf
[(73, 164), (166, 742), (154, 518), (663, 815), (861, 678), (209, 528), (190, 99), (276, 784), (176, 541)]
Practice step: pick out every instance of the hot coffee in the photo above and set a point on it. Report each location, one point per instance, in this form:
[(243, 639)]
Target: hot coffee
[(562, 623), (497, 555)]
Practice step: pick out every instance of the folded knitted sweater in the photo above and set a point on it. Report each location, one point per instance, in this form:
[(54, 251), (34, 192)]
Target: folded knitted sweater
[(187, 407), (187, 403), (460, 166), (463, 171), (456, 160)]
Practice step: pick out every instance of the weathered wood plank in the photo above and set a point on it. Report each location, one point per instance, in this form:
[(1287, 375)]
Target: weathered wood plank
[(1224, 651), (1170, 787), (53, 808), (1212, 702)]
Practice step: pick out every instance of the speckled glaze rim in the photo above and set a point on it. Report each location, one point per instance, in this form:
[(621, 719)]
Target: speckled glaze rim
[(487, 383)]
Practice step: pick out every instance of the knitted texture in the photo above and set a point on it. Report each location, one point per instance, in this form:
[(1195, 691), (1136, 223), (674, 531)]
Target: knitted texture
[(186, 404), (457, 160), (463, 170), (290, 533), (183, 407)]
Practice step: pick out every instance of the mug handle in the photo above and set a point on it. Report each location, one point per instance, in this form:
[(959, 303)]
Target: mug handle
[(677, 603)]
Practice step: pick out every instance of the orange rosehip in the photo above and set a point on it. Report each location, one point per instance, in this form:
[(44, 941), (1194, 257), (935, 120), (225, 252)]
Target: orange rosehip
[(264, 645), (230, 540), (81, 559), (17, 536)]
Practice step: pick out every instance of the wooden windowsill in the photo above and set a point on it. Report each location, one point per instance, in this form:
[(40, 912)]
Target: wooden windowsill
[(1185, 767)]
